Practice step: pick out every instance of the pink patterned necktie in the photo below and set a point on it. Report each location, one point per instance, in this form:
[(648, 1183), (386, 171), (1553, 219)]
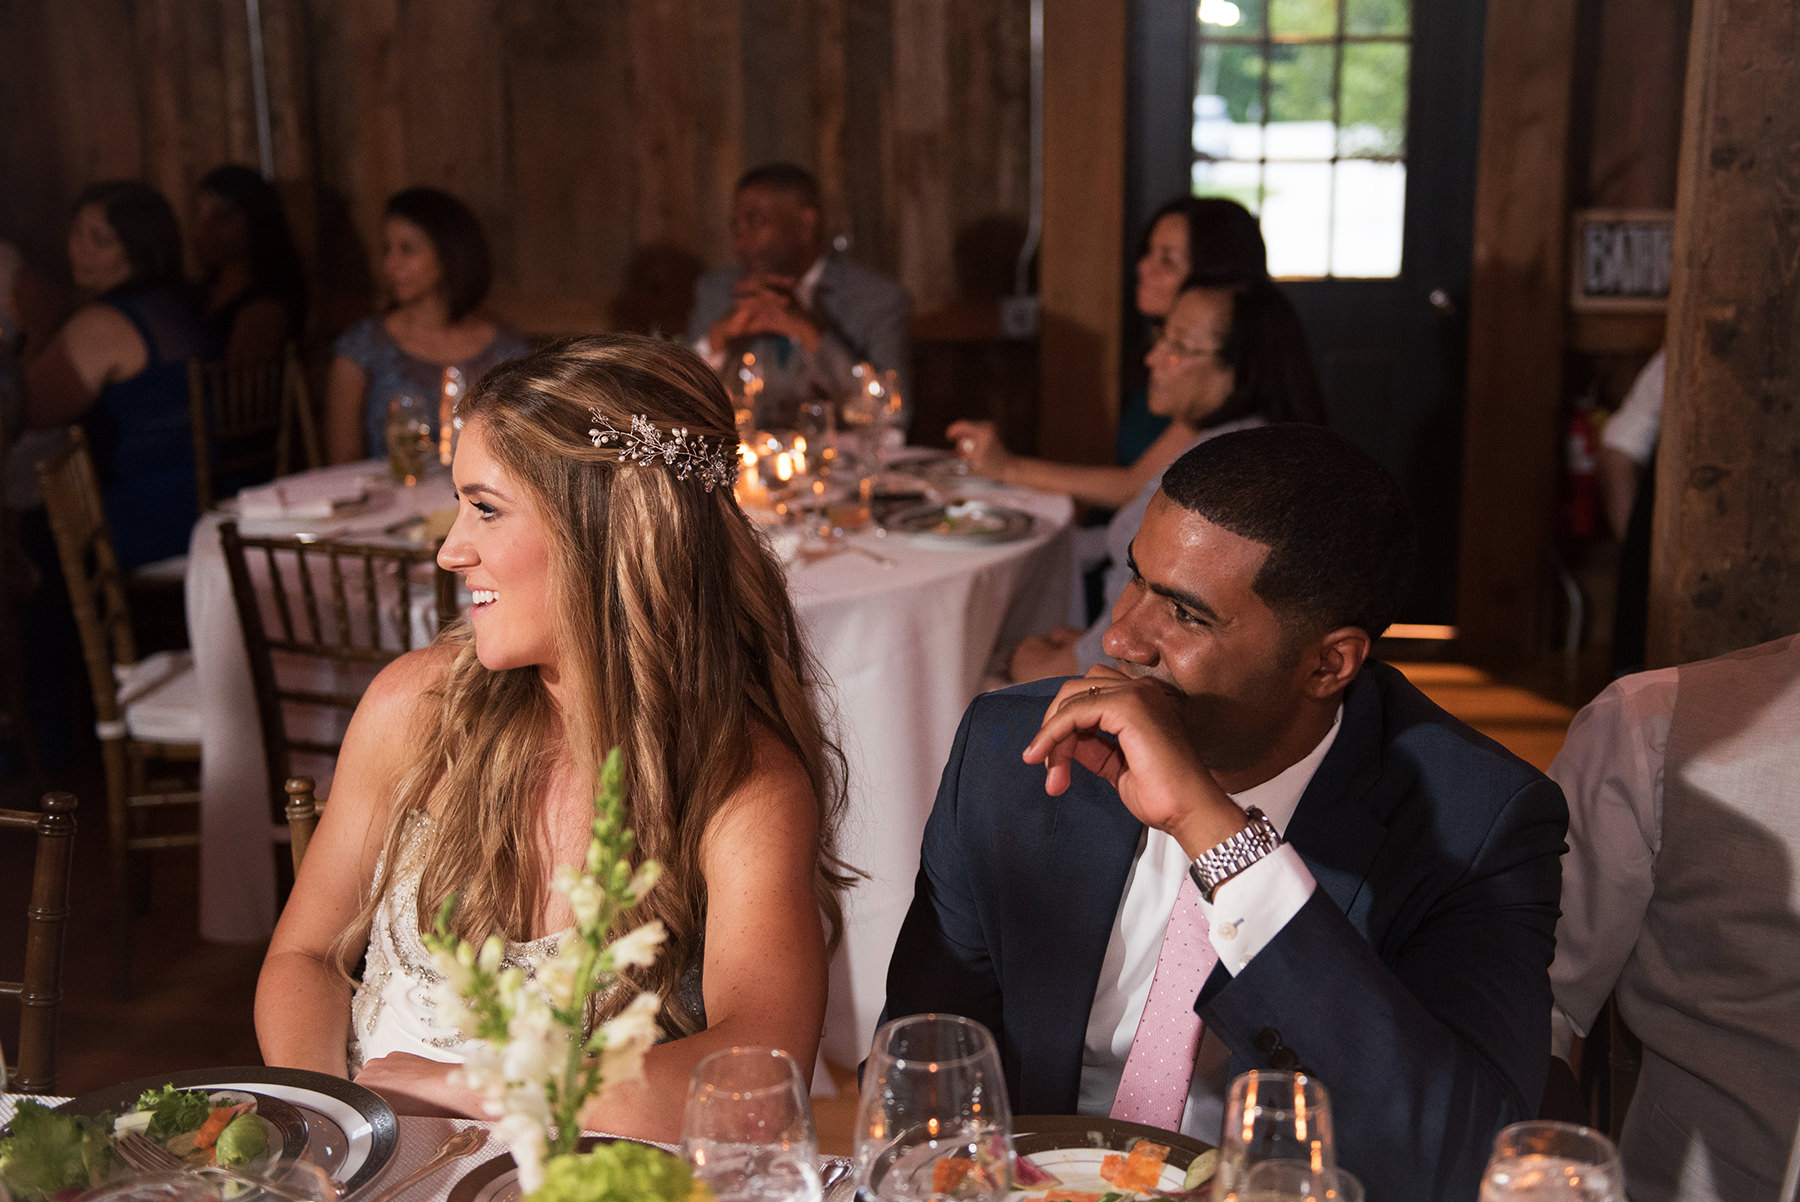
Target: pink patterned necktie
[(1154, 1085)]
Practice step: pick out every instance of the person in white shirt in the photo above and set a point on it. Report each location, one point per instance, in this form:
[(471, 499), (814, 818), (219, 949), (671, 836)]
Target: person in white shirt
[(806, 314), (1681, 900), (1376, 881)]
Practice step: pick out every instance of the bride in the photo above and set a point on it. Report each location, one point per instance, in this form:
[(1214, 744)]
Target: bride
[(621, 600)]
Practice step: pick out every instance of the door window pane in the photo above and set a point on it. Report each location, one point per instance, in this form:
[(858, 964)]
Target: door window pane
[(1377, 16), (1239, 17), (1368, 207), (1373, 116), (1296, 218), (1311, 18), (1301, 80)]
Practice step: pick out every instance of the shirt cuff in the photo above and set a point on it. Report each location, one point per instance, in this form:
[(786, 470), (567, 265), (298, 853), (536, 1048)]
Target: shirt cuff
[(1250, 909)]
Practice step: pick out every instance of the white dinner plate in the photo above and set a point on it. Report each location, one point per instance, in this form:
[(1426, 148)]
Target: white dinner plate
[(350, 1132)]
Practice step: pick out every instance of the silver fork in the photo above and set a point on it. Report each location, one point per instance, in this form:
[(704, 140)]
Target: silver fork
[(146, 1155)]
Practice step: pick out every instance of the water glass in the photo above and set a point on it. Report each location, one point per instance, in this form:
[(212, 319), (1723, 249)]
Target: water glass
[(408, 438), (747, 1129), (1552, 1162), (933, 1123), (1274, 1116)]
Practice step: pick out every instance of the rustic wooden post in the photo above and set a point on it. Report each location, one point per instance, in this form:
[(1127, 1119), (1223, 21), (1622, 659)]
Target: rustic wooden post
[(1725, 563), (1516, 315), (1084, 188)]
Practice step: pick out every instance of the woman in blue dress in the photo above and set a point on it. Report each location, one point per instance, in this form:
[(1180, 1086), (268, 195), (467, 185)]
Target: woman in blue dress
[(118, 365), (434, 257)]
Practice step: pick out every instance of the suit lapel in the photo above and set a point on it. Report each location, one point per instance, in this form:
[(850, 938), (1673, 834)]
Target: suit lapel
[(1340, 823), (1056, 950)]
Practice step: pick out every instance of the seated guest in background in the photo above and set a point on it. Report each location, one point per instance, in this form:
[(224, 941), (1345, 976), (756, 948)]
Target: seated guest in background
[(1367, 886), (1227, 359), (253, 293), (617, 604), (1189, 238), (435, 259), (807, 314), (1681, 900), (118, 365)]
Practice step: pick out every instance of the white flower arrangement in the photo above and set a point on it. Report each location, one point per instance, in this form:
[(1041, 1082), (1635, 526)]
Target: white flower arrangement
[(530, 1055)]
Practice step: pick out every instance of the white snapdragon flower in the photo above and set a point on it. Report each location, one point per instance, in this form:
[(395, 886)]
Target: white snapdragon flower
[(646, 876), (624, 1040), (638, 948), (525, 1136), (586, 897), (557, 977), (536, 1044)]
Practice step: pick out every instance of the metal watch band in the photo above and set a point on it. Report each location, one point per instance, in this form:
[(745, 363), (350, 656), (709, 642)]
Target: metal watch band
[(1219, 863)]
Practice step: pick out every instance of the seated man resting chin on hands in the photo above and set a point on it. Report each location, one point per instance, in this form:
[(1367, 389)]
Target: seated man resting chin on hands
[(1281, 853)]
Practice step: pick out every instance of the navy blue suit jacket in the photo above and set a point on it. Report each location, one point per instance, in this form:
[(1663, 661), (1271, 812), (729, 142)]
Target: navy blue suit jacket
[(1414, 982)]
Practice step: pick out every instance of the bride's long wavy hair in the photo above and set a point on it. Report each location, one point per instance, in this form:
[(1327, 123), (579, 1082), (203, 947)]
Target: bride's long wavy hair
[(677, 643)]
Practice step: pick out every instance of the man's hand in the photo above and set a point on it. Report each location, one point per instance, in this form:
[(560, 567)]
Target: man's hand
[(1045, 655), (1147, 757), (765, 304)]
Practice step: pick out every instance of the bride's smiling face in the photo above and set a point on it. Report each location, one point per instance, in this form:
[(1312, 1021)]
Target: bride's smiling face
[(500, 544)]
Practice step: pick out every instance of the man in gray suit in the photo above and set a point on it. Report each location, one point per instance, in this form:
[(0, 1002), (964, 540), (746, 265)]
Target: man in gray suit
[(1681, 900), (808, 315)]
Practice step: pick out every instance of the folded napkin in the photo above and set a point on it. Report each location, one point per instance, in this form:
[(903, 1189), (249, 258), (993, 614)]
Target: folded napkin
[(301, 497)]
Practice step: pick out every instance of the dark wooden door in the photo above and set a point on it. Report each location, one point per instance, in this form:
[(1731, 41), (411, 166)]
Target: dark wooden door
[(1350, 126)]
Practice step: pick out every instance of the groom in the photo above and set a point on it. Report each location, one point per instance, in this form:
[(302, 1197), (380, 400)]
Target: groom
[(1250, 847)]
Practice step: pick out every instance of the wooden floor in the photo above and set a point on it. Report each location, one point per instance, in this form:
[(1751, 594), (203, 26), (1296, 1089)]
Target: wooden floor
[(191, 1003)]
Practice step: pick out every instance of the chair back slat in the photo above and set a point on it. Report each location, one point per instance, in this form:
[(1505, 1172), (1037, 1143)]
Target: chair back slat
[(78, 525), (341, 640), (40, 990), (245, 415)]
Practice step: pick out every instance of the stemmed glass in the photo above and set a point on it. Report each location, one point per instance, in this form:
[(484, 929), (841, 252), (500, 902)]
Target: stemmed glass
[(933, 1123), (1276, 1116), (1553, 1162), (1295, 1181), (747, 1129)]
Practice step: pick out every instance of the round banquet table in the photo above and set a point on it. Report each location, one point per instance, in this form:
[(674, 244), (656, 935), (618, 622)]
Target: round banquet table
[(904, 629)]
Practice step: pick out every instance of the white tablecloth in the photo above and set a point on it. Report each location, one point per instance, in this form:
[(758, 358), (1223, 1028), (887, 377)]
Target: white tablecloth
[(905, 648)]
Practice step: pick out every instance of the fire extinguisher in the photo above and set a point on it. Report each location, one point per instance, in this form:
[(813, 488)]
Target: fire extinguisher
[(1581, 449)]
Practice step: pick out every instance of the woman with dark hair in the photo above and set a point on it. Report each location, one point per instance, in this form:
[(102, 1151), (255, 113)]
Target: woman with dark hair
[(1226, 359), (621, 599), (119, 365), (1207, 238), (435, 259), (252, 291)]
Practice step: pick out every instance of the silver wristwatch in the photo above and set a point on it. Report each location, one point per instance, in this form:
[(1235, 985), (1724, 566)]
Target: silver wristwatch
[(1221, 862)]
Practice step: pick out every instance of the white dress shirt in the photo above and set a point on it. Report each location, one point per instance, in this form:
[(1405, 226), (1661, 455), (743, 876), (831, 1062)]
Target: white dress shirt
[(1246, 913), (1611, 770)]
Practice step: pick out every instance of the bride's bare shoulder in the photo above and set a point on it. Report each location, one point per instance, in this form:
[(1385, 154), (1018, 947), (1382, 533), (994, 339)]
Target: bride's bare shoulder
[(405, 691)]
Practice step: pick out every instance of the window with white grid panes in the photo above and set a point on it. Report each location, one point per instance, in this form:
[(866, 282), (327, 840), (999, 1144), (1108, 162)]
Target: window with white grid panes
[(1300, 114)]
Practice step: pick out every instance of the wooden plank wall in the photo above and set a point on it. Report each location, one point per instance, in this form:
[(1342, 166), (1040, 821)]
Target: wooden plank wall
[(598, 139), (1725, 565)]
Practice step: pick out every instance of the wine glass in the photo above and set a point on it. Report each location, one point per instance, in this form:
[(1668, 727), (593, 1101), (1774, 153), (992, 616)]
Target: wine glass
[(747, 1129), (408, 432), (1553, 1162), (1275, 1116), (933, 1123), (1296, 1181)]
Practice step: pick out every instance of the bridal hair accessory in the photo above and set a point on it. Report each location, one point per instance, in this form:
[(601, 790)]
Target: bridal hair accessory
[(714, 460)]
